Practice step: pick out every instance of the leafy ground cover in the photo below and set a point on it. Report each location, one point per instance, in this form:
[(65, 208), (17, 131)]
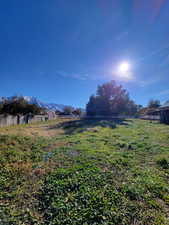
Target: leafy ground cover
[(92, 172)]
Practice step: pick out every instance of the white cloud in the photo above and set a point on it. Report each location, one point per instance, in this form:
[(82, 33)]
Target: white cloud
[(149, 82), (163, 93), (72, 75), (80, 76)]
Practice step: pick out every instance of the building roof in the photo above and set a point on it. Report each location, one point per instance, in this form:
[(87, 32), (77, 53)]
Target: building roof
[(166, 105)]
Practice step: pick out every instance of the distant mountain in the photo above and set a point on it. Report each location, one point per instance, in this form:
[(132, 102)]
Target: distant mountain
[(48, 106)]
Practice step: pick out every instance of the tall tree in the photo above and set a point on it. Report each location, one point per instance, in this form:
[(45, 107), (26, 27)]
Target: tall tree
[(91, 107), (68, 110), (110, 99), (153, 103), (18, 105)]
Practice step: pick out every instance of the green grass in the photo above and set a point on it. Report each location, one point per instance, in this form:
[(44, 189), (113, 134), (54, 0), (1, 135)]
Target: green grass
[(97, 172)]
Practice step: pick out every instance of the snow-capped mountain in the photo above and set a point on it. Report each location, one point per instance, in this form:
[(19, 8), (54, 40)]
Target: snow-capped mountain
[(49, 106)]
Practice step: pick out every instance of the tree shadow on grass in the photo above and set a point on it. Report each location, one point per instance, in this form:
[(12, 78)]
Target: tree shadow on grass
[(81, 125)]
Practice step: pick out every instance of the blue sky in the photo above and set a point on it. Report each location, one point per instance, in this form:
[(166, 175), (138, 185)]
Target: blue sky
[(60, 50)]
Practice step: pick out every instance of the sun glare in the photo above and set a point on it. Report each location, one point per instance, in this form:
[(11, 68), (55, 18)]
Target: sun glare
[(124, 71), (124, 67)]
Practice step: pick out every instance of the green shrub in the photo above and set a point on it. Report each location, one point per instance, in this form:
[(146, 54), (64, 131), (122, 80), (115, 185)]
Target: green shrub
[(163, 162)]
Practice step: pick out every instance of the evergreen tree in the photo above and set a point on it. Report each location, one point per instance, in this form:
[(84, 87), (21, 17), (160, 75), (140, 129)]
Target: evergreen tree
[(110, 99)]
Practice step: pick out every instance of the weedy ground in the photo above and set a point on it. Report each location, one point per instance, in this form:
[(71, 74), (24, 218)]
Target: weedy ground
[(85, 172)]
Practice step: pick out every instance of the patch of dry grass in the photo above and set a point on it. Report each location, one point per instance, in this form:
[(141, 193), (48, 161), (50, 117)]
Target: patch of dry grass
[(44, 129), (98, 172)]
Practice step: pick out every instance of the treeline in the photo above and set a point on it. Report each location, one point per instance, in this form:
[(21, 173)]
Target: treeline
[(111, 100), (70, 111), (17, 105), (151, 108)]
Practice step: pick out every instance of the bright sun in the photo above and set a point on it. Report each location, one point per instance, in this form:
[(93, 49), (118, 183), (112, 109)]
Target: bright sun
[(124, 67), (124, 71)]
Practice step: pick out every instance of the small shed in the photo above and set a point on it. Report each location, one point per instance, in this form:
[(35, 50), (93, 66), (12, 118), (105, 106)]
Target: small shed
[(164, 113), (51, 115)]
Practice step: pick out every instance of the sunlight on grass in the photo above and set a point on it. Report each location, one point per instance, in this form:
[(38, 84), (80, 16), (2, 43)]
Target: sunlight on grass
[(94, 172)]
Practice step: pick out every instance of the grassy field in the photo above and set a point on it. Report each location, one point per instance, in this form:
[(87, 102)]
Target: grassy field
[(83, 172)]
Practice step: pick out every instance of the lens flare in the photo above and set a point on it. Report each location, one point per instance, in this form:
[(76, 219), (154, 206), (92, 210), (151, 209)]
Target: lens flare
[(123, 71), (124, 67)]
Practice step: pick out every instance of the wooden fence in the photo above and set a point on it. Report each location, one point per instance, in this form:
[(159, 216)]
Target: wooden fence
[(9, 120)]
